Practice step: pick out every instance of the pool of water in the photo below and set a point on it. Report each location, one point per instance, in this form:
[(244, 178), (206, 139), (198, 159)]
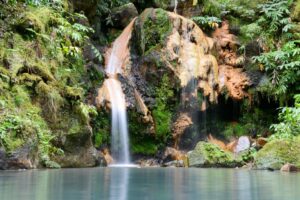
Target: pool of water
[(148, 184)]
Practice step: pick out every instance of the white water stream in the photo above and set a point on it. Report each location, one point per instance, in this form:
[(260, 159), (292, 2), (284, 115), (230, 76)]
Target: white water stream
[(119, 127)]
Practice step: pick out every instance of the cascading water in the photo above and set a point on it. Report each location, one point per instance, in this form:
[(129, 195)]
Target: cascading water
[(119, 130)]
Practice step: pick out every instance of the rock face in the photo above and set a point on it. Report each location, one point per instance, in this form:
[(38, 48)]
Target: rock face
[(232, 78), (278, 152), (171, 62), (79, 152), (210, 155), (50, 121), (23, 158)]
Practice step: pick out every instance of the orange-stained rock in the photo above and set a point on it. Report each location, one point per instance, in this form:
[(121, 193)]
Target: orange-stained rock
[(260, 142), (109, 160), (235, 81), (179, 126), (172, 154)]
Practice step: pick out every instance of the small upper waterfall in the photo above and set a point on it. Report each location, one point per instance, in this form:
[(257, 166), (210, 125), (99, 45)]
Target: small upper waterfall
[(119, 131)]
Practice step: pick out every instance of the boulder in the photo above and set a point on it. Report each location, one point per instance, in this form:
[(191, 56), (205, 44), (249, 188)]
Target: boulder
[(78, 150), (278, 152), (174, 163), (152, 162), (210, 155), (22, 158), (289, 168), (121, 16), (243, 144)]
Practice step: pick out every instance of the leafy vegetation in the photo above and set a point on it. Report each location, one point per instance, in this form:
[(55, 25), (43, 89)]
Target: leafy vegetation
[(283, 68), (104, 8), (289, 124), (207, 22), (156, 28), (162, 112), (42, 90)]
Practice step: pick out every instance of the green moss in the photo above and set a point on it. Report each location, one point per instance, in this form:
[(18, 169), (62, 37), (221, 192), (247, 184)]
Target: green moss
[(295, 14), (210, 155), (141, 141), (101, 129), (21, 96), (146, 146), (73, 93), (42, 82), (162, 113), (50, 99), (155, 29), (277, 153), (36, 18), (85, 112)]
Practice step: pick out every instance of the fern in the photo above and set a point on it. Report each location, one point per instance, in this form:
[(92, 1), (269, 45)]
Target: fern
[(97, 53), (283, 67), (289, 124)]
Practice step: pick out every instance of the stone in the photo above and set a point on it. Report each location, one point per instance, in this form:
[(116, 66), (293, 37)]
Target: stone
[(289, 168), (78, 150), (243, 144), (122, 16), (22, 158), (172, 154), (210, 155), (174, 163), (152, 162), (277, 153)]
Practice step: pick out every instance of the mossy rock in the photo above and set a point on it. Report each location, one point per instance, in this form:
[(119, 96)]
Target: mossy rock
[(36, 19), (154, 25), (210, 155), (277, 153), (73, 93), (295, 14)]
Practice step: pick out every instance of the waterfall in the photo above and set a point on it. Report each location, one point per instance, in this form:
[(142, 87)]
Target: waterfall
[(119, 128), (175, 6)]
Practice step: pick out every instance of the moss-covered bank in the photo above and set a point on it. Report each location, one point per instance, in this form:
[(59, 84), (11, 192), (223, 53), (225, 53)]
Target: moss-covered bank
[(44, 84)]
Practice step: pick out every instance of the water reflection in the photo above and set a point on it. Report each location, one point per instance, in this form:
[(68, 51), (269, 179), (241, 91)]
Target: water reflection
[(147, 184), (119, 183)]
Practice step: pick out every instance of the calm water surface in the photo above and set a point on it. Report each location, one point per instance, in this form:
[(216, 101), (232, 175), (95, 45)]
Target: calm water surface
[(148, 184)]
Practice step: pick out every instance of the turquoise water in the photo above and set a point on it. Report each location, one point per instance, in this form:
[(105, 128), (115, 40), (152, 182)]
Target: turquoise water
[(148, 184)]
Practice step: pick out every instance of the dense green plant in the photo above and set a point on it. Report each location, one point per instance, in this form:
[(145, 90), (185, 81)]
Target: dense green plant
[(101, 129), (162, 112), (272, 24), (36, 2), (289, 124), (207, 22), (155, 30), (41, 79), (72, 35), (282, 65), (104, 8)]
